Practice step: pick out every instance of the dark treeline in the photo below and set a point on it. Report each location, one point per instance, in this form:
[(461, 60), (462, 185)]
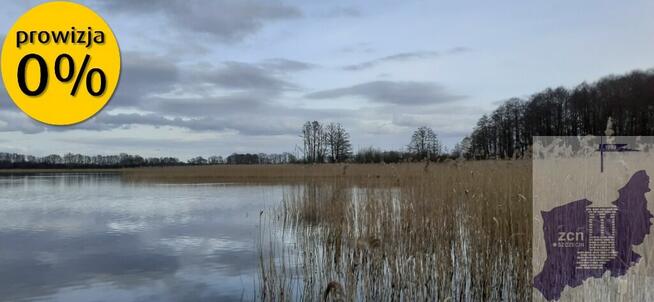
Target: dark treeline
[(20, 161), (424, 145), (583, 110), (321, 144), (75, 161)]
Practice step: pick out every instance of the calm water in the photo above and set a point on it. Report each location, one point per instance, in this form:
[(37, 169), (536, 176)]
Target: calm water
[(91, 237)]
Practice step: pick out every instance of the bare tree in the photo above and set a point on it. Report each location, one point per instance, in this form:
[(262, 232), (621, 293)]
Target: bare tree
[(314, 142), (584, 110), (338, 142), (306, 141), (462, 148), (425, 144)]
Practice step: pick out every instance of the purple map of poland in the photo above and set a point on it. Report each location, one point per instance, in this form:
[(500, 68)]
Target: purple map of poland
[(585, 242)]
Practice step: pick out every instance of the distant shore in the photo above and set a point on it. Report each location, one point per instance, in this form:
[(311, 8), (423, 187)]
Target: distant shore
[(279, 173), (58, 170), (300, 172)]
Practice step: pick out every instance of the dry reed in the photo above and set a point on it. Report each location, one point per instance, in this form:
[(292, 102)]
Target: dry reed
[(450, 231), (454, 231)]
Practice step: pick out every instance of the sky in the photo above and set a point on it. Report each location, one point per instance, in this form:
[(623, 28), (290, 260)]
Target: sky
[(203, 78)]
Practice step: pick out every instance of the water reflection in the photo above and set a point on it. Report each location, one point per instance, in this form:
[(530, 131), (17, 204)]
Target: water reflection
[(91, 237)]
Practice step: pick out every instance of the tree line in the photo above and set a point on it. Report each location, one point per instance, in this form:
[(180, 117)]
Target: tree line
[(583, 110), (123, 160), (70, 160), (329, 143)]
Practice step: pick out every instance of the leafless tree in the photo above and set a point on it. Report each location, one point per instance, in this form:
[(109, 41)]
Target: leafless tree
[(425, 144), (314, 142), (584, 110), (338, 142)]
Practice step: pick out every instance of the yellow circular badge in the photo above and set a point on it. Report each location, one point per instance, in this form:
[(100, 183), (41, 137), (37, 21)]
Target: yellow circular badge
[(60, 63)]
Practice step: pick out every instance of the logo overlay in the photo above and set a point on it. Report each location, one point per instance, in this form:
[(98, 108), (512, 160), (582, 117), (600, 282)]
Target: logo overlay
[(592, 218), (60, 63)]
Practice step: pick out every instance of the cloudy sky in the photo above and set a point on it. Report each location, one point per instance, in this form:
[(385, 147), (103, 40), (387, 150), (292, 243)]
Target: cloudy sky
[(216, 77)]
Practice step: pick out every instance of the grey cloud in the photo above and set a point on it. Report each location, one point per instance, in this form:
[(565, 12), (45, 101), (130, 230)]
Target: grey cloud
[(247, 100), (146, 72), (244, 113), (404, 56), (251, 107), (285, 65), (106, 121), (143, 74), (223, 105), (399, 93), (5, 102), (17, 121), (150, 84), (450, 109), (120, 120), (449, 123), (242, 125), (227, 20), (238, 75)]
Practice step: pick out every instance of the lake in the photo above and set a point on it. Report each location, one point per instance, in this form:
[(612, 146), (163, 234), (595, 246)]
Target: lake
[(360, 233), (93, 237)]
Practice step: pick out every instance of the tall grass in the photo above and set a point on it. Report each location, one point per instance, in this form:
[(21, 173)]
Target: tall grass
[(444, 232)]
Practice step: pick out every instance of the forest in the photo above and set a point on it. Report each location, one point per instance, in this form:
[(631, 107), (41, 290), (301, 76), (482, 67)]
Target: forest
[(583, 110)]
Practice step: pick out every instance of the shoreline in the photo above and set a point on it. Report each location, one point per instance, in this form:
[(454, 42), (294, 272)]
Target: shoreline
[(58, 170), (280, 173)]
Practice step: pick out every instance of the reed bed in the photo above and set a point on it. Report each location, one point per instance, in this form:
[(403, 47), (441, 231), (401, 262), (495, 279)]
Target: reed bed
[(275, 173), (457, 231)]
